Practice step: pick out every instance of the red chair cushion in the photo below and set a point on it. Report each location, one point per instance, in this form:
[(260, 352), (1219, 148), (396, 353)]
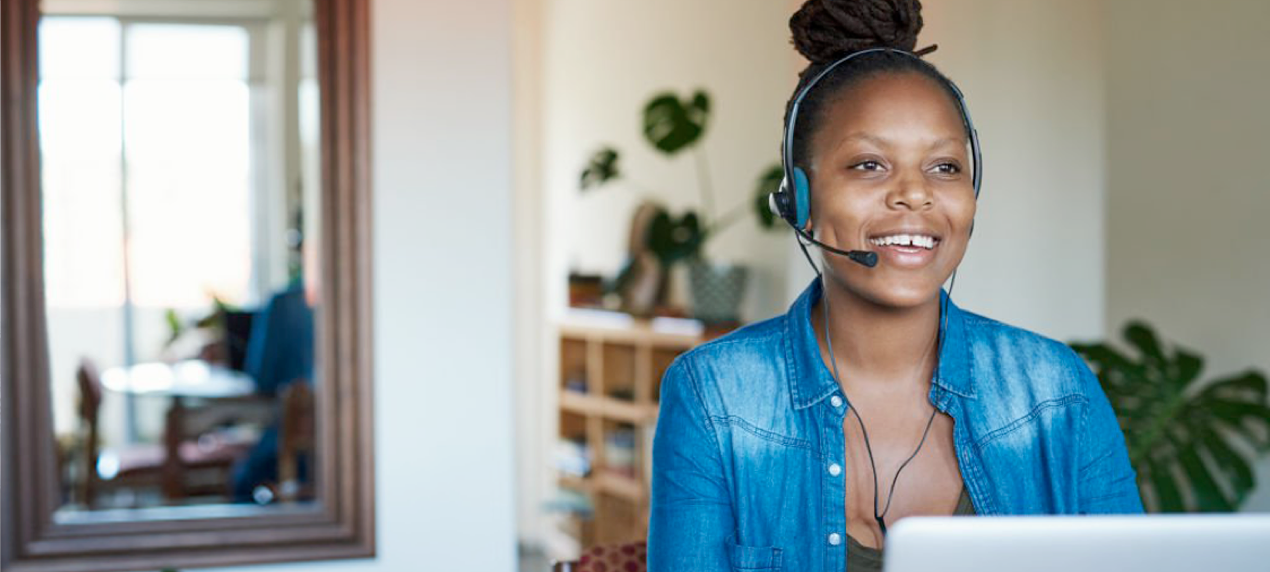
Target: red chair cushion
[(631, 557)]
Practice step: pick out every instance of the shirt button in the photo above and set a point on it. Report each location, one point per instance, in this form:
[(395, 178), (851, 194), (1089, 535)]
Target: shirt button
[(834, 539), (835, 401), (835, 470)]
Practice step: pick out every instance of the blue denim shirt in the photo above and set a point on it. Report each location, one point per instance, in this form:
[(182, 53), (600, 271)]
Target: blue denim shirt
[(749, 423)]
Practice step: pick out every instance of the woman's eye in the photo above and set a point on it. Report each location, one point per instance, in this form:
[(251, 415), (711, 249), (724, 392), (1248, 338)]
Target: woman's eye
[(947, 168), (867, 166)]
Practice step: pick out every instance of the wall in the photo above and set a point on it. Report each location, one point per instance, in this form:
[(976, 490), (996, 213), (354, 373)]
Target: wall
[(534, 338), (443, 291), (1189, 190)]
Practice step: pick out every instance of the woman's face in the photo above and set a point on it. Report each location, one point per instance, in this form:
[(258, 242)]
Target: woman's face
[(891, 173)]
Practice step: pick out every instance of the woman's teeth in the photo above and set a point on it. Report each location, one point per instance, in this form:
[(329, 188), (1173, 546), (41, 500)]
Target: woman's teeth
[(927, 242)]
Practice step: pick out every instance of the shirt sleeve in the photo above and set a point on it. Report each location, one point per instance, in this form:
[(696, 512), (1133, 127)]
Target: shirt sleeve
[(1108, 483), (691, 509)]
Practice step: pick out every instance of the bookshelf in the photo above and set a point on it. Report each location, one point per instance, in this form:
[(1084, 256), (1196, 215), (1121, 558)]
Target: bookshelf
[(610, 370)]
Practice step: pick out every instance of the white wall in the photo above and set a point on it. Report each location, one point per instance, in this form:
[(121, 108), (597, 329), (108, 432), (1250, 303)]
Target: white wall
[(442, 216), (534, 339), (1189, 190)]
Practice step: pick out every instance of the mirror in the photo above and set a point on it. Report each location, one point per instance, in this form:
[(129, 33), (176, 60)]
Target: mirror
[(180, 169), (197, 173)]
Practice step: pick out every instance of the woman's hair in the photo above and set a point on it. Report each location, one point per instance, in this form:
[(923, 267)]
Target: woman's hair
[(825, 31)]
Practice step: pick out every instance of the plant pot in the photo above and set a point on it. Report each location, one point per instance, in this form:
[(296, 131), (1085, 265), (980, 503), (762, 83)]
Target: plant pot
[(717, 290)]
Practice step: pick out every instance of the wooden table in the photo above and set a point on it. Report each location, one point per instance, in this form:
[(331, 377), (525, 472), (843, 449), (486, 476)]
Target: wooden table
[(183, 379)]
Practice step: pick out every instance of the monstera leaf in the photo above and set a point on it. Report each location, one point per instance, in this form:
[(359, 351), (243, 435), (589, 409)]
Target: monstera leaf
[(1180, 438), (601, 169), (672, 239), (768, 183), (672, 125)]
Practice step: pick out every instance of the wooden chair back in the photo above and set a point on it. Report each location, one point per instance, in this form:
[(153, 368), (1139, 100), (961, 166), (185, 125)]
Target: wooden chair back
[(89, 382), (296, 438)]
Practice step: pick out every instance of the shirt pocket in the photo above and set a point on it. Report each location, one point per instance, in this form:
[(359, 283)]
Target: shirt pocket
[(754, 558)]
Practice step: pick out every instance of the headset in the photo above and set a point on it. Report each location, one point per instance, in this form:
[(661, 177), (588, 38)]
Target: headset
[(792, 202)]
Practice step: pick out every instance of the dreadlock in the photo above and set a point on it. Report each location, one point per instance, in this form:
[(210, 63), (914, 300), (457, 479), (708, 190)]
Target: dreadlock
[(825, 31)]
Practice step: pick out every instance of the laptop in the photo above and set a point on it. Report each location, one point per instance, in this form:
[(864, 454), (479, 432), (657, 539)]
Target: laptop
[(1156, 543)]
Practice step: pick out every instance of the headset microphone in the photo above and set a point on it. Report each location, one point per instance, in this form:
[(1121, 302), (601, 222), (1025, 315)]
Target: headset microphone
[(866, 258)]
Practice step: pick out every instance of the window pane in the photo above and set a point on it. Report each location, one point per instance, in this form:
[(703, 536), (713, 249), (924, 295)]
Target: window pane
[(188, 152), (79, 47), (83, 227), (183, 51)]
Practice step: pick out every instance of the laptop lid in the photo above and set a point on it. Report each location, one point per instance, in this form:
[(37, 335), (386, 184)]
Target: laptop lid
[(1156, 543)]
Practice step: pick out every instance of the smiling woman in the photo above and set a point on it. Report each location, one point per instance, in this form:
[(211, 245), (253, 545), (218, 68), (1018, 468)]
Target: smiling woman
[(763, 455)]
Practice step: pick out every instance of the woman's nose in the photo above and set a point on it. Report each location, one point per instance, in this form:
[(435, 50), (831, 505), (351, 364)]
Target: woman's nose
[(910, 192)]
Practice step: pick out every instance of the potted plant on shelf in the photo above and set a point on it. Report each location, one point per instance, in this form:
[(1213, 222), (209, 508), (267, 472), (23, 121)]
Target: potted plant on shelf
[(1182, 436), (673, 126)]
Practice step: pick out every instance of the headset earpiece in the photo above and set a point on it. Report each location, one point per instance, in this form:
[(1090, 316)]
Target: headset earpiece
[(793, 205), (802, 197)]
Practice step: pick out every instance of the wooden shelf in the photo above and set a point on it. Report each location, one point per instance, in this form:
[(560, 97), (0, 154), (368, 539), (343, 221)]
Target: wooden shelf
[(576, 483), (603, 354), (623, 486), (607, 407)]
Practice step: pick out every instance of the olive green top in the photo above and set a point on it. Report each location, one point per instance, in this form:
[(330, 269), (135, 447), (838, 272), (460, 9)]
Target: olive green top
[(861, 558)]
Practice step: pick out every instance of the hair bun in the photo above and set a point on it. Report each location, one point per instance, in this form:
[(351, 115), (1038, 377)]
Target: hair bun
[(827, 30)]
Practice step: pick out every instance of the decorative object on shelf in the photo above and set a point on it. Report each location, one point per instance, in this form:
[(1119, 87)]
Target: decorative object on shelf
[(1175, 428), (641, 284), (586, 290), (716, 290), (673, 125)]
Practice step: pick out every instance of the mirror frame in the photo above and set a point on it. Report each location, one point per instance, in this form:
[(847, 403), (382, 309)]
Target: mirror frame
[(341, 523)]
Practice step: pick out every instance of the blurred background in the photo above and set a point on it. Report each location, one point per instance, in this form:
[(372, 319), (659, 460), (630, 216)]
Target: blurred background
[(570, 193)]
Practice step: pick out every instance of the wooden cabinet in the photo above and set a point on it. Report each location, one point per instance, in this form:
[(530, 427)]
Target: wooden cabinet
[(610, 373)]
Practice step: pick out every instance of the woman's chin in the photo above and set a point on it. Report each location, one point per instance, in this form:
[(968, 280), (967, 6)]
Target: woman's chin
[(901, 296)]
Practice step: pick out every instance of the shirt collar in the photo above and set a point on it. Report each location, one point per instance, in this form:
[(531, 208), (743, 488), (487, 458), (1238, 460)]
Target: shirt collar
[(810, 381)]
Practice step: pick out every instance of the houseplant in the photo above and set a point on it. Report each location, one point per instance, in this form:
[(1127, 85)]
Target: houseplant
[(672, 125), (1182, 435)]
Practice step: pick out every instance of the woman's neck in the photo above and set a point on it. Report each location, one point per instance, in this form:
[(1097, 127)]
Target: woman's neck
[(877, 347)]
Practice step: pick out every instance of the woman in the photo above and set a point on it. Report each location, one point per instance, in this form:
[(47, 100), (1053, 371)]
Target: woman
[(795, 442)]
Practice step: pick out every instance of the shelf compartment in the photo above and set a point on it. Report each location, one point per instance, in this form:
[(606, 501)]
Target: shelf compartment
[(618, 370), (574, 374)]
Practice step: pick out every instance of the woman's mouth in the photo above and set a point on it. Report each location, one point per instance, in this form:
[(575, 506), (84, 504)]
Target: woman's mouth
[(906, 250)]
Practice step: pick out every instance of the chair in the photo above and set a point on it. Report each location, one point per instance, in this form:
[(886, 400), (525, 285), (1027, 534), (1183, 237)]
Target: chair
[(199, 455), (191, 448), (631, 557), (138, 465), (296, 440)]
